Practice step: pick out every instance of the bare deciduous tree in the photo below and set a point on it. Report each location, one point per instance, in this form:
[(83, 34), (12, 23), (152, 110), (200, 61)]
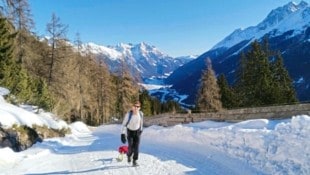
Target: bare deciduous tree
[(208, 97), (57, 32)]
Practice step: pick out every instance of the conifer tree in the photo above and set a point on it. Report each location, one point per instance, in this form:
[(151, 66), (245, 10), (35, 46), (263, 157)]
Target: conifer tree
[(19, 13), (208, 97), (283, 90), (228, 97), (259, 82), (256, 83), (8, 67), (12, 75), (145, 102), (263, 84), (6, 50), (41, 96), (240, 86), (155, 106)]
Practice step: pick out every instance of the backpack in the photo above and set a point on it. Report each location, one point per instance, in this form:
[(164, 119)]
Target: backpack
[(130, 115)]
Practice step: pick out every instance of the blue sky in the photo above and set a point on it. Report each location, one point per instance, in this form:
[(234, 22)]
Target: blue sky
[(176, 27)]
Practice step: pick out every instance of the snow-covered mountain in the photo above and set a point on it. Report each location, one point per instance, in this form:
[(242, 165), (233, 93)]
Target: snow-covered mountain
[(287, 29), (291, 16), (142, 59)]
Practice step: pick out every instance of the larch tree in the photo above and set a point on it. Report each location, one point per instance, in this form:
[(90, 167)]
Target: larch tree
[(104, 93), (88, 68), (57, 32), (60, 60), (79, 71), (127, 91), (208, 96)]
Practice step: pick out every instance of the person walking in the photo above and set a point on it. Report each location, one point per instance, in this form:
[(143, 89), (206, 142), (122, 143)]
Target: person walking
[(132, 126)]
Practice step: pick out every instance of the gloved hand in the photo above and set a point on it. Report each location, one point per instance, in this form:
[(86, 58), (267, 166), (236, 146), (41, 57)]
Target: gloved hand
[(140, 132), (123, 138)]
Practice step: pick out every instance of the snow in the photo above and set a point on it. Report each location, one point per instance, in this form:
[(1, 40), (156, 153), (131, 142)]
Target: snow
[(258, 146), (11, 114), (289, 17), (4, 91), (300, 80), (98, 49)]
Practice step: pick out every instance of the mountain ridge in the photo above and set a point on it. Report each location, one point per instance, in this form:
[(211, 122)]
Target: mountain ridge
[(141, 58), (290, 36), (274, 20)]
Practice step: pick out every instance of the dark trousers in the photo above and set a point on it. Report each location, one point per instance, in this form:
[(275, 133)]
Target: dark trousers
[(133, 138)]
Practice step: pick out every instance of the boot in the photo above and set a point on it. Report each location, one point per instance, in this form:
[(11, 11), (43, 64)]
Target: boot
[(135, 163), (128, 159)]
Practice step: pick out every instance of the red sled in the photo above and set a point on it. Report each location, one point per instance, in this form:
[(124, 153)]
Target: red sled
[(122, 150)]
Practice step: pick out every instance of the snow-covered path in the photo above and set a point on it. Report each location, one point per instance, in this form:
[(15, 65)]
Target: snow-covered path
[(158, 156), (251, 147), (95, 153)]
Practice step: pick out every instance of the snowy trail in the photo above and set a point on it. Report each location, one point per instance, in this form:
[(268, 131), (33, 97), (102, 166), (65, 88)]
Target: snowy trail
[(251, 147), (200, 159), (96, 152), (89, 155)]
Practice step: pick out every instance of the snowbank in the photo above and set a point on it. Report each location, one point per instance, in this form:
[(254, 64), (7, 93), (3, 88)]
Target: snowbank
[(273, 146), (24, 115)]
